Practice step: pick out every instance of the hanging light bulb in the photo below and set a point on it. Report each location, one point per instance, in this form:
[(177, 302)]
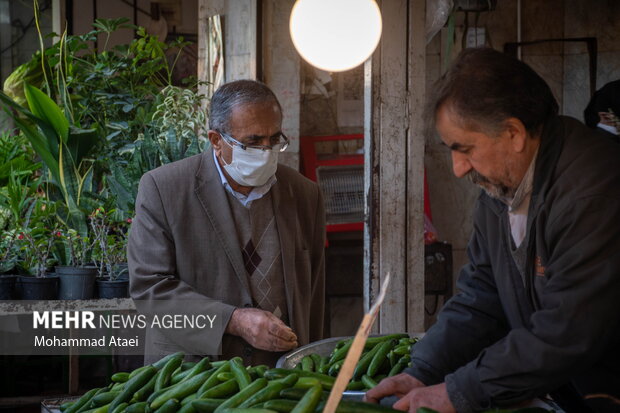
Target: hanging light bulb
[(335, 35)]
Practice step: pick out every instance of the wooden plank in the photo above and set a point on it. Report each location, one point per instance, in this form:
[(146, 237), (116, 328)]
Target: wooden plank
[(415, 166), (371, 245), (240, 40), (201, 70), (393, 163), (281, 71)]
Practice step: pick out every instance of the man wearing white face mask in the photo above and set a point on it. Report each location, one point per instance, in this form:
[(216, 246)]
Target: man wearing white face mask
[(233, 225)]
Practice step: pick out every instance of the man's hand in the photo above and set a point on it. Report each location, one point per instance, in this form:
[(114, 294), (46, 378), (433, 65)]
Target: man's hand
[(434, 397), (261, 329), (398, 386)]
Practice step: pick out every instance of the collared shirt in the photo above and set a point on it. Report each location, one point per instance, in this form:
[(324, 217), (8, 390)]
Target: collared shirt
[(256, 193), (518, 206)]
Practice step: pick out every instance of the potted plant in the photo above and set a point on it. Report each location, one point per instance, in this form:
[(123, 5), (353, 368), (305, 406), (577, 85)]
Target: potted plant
[(110, 253), (77, 277), (35, 243), (8, 258)]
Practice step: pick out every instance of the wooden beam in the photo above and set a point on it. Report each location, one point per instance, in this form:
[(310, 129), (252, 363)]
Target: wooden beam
[(415, 166), (391, 156)]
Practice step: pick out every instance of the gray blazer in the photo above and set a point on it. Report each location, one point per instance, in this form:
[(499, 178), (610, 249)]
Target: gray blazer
[(183, 246)]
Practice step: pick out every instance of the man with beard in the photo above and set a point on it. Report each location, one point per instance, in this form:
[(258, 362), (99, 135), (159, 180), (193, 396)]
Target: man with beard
[(538, 309)]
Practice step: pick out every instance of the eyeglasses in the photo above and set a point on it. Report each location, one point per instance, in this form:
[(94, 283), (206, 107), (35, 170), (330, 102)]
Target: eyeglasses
[(280, 143)]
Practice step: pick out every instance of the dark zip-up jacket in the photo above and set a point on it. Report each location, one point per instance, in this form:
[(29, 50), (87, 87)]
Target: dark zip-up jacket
[(507, 337)]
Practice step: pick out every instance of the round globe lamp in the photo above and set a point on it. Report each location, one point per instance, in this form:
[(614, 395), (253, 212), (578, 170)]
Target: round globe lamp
[(335, 35)]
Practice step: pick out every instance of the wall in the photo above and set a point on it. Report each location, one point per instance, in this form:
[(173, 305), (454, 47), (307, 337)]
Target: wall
[(600, 19)]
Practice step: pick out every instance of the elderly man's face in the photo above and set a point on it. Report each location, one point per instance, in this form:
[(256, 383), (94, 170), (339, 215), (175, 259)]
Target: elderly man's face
[(251, 124), (492, 162)]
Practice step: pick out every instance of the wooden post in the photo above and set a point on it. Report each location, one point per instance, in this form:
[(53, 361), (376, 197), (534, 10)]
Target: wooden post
[(394, 97), (415, 166)]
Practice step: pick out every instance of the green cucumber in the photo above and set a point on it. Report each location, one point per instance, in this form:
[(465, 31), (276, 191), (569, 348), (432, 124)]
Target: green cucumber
[(143, 392), (171, 406), (133, 385), (326, 381), (272, 391), (355, 385), (101, 409), (340, 353), (225, 376), (120, 408), (165, 374), (102, 399), (316, 359), (65, 406), (212, 380), (240, 372), (280, 405), (335, 368), (219, 363), (372, 341), (380, 357), (139, 407), (120, 377), (307, 382), (181, 390), (398, 367), (293, 393), (307, 364), (362, 366), (179, 375), (81, 401), (188, 399), (402, 350), (116, 387), (308, 403), (243, 395), (187, 365), (368, 381), (206, 405), (202, 365), (137, 371), (188, 408), (222, 390), (162, 362)]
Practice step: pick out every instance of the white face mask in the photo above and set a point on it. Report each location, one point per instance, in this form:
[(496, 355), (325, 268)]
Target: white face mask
[(251, 167)]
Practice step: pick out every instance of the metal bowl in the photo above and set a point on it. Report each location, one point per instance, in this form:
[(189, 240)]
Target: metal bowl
[(324, 348)]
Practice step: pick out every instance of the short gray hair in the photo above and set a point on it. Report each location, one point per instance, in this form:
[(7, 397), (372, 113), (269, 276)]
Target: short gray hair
[(232, 94)]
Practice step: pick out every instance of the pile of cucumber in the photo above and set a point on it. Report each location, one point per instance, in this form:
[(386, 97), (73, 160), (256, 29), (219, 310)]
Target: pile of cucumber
[(382, 357), (173, 386)]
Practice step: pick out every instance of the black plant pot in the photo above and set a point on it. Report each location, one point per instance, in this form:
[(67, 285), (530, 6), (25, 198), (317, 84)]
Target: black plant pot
[(112, 288), (7, 287), (76, 283), (38, 288)]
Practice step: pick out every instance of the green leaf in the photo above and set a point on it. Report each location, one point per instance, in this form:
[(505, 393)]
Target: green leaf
[(45, 108), (81, 142), (41, 147)]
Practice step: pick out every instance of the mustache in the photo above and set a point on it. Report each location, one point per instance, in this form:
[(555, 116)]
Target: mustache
[(477, 178), (496, 191)]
